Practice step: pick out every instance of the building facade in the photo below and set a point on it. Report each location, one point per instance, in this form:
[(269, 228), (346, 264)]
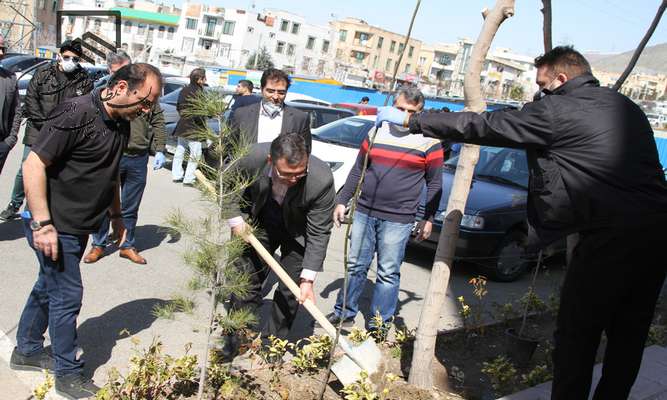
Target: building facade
[(29, 24)]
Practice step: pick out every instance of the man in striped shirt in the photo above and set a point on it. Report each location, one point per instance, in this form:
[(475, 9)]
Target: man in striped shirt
[(399, 165)]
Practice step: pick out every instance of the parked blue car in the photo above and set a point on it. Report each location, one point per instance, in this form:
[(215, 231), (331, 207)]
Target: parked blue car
[(493, 229)]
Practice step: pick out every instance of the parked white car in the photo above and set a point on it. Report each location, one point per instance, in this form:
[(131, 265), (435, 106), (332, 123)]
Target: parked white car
[(338, 143)]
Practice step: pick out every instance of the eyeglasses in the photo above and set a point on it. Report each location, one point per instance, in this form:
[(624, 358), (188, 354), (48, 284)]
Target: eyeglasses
[(290, 176), (73, 58), (272, 91)]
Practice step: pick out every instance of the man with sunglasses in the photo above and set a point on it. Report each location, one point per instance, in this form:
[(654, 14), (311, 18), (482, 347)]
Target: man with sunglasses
[(290, 200), (146, 132), (263, 121), (72, 182), (9, 102), (399, 166), (48, 87)]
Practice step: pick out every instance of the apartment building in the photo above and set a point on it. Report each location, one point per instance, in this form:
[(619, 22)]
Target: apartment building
[(29, 24), (367, 55)]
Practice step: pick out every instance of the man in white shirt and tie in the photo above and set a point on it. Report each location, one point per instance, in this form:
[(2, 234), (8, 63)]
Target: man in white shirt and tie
[(263, 121)]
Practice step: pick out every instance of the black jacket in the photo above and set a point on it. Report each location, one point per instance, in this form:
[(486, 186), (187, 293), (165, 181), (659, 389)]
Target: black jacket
[(307, 207), (592, 157), (245, 122), (46, 89), (188, 127)]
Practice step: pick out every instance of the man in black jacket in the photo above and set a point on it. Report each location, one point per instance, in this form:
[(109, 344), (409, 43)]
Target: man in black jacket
[(9, 102), (187, 129), (594, 169), (48, 87), (291, 200), (263, 121)]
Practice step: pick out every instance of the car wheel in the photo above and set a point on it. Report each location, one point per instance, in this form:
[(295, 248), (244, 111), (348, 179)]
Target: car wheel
[(512, 259)]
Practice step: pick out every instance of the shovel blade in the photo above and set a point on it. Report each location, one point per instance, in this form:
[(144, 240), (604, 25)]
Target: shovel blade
[(367, 354)]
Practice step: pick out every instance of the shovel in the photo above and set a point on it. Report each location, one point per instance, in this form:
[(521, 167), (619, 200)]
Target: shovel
[(365, 356)]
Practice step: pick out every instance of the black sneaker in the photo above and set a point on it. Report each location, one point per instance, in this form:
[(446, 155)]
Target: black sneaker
[(335, 320), (36, 362), (10, 213), (230, 348), (75, 386)]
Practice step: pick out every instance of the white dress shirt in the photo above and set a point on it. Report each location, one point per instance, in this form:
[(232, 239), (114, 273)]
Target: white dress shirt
[(268, 128)]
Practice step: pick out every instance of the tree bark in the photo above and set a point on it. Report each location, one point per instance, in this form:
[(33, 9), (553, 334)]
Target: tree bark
[(546, 26), (642, 44), (421, 371)]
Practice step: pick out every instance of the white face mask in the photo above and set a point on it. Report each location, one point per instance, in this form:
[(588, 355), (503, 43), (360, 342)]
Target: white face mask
[(271, 108), (68, 65)]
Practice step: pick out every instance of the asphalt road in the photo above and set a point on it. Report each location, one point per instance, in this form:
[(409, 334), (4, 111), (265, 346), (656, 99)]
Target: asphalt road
[(119, 296)]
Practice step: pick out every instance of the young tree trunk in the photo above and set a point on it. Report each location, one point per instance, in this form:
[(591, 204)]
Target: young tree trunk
[(642, 44), (421, 371), (546, 27)]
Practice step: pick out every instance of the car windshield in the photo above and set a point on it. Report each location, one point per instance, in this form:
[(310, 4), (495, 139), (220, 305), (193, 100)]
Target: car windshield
[(509, 166), (171, 98), (486, 154), (348, 132)]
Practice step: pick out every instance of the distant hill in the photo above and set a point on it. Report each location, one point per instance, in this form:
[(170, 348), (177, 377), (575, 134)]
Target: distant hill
[(652, 61)]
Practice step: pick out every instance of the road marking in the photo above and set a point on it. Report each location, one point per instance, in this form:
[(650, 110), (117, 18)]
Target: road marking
[(30, 379)]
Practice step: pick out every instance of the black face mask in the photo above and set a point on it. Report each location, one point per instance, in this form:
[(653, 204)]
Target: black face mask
[(539, 95)]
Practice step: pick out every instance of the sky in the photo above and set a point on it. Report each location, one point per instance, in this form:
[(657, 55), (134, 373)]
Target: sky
[(606, 26)]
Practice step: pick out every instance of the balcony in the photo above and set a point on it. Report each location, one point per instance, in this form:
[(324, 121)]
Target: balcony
[(209, 33)]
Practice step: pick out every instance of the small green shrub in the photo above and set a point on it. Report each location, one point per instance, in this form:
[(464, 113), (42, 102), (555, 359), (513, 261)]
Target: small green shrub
[(502, 374), (312, 355)]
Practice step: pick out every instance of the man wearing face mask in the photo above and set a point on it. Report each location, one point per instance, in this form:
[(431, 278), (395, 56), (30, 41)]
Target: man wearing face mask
[(263, 121), (145, 132), (48, 87), (187, 129), (594, 169), (72, 182), (9, 103), (399, 165)]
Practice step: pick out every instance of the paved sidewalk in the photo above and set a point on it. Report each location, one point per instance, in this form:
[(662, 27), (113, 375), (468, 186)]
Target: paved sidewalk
[(651, 384)]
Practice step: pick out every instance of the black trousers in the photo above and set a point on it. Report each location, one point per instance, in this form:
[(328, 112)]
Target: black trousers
[(612, 285), (273, 235)]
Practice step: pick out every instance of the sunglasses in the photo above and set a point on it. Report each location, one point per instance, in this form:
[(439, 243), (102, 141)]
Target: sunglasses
[(73, 58), (272, 91), (290, 176)]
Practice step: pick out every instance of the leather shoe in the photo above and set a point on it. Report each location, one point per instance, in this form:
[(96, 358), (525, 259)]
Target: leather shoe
[(95, 253), (133, 255)]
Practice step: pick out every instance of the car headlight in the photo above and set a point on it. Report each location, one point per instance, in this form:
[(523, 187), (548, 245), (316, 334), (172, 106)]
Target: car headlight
[(472, 222), (334, 165)]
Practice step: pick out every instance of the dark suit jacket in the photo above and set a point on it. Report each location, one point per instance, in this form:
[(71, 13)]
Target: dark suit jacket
[(307, 207), (245, 120), (188, 127)]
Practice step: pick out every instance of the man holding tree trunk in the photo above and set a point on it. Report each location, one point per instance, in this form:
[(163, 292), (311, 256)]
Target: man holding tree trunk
[(594, 170)]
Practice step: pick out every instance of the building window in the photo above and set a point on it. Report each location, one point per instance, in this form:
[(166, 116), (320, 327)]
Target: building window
[(151, 32), (210, 26), (325, 46), (422, 61), (190, 23), (97, 24), (375, 61), (284, 25), (41, 5), (228, 28), (363, 38), (311, 43), (401, 47), (320, 67), (188, 45), (412, 50), (54, 6), (387, 66), (128, 27), (359, 56), (225, 50), (380, 42), (141, 29), (280, 47), (295, 28), (290, 49), (170, 33), (342, 35), (305, 64), (160, 32), (407, 68), (205, 44), (392, 47)]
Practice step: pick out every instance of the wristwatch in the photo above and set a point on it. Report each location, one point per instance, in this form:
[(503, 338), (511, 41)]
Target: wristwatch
[(37, 225)]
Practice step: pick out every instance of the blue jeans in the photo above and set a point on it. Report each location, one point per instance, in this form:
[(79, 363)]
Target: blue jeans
[(388, 239), (195, 150), (18, 194), (55, 302), (133, 171)]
